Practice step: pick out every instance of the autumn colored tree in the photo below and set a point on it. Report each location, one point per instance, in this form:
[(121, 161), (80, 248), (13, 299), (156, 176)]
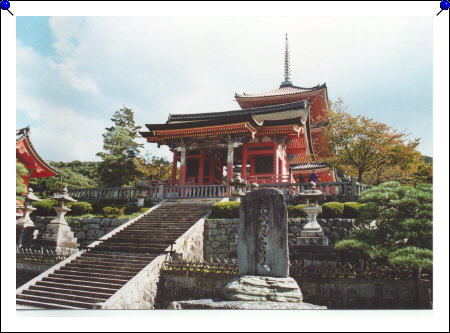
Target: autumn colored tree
[(371, 151)]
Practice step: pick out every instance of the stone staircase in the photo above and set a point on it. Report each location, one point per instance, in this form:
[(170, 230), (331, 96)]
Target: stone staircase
[(96, 275)]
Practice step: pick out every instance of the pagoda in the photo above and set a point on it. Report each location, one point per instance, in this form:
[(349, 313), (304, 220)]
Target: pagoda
[(273, 138)]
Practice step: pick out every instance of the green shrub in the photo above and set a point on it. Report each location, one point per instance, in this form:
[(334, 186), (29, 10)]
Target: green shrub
[(351, 209), (131, 209), (226, 209), (113, 211), (332, 210), (143, 209), (412, 257), (45, 207), (97, 207), (296, 211), (80, 208)]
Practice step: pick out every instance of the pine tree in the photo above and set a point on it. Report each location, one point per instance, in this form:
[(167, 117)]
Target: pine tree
[(118, 166)]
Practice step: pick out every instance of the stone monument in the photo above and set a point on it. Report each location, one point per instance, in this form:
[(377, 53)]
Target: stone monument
[(263, 255), (57, 234), (142, 192), (263, 251), (312, 233)]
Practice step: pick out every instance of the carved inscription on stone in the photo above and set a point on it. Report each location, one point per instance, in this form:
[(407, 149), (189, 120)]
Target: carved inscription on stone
[(262, 241)]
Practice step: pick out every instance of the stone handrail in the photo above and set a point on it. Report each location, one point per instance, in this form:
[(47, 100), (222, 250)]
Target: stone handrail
[(164, 191)]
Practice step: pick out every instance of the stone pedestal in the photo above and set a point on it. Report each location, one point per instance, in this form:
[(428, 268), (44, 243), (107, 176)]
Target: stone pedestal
[(312, 233), (25, 220), (263, 288), (57, 234), (219, 304), (24, 235), (140, 202)]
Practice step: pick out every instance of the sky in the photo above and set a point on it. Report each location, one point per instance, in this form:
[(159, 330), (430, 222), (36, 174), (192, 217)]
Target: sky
[(73, 73)]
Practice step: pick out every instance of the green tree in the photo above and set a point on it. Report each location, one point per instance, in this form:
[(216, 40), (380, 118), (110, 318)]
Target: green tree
[(374, 152), (394, 225), (119, 159), (21, 172)]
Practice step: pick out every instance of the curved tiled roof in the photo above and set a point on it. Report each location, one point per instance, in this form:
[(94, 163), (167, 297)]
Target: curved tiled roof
[(281, 91), (244, 112), (24, 133), (309, 166)]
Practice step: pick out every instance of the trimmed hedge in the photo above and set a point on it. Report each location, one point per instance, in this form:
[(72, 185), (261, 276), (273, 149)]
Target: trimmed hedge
[(113, 211), (80, 208), (225, 210), (45, 207), (332, 210), (351, 209), (296, 211)]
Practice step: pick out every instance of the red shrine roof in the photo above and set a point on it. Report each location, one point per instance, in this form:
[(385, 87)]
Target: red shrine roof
[(281, 91), (309, 166), (28, 155)]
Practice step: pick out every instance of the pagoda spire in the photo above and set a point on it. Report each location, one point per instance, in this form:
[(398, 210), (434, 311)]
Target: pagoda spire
[(287, 66)]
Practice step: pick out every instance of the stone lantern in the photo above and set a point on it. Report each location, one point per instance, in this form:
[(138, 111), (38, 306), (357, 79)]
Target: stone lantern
[(57, 234), (238, 185), (28, 209), (62, 209), (24, 225), (142, 192), (312, 233)]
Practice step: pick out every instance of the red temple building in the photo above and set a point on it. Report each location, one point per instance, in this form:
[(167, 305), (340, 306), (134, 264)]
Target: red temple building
[(273, 138), (28, 156)]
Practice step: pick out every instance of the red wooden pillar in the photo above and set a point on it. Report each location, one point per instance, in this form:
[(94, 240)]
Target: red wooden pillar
[(174, 168), (252, 165), (201, 166), (230, 158), (276, 171), (244, 162), (182, 179), (212, 165)]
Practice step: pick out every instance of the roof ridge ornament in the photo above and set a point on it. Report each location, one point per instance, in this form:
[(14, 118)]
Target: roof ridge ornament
[(287, 66)]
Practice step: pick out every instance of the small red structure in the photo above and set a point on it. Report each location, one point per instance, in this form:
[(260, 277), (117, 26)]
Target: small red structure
[(272, 139), (28, 156)]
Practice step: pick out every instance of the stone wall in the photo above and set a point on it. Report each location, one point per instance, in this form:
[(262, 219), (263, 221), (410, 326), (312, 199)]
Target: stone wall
[(85, 230), (141, 291), (220, 234), (339, 293)]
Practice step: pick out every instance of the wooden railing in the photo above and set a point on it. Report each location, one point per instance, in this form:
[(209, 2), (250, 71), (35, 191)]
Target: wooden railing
[(350, 188)]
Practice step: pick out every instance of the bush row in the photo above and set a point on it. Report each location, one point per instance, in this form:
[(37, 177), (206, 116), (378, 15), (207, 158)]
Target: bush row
[(45, 208), (230, 209)]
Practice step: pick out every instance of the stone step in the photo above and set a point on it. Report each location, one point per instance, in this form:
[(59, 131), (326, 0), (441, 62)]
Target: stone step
[(109, 263), (45, 305), (133, 248), (110, 274), (117, 266), (88, 277), (75, 287), (42, 299), (58, 294), (99, 295), (118, 260), (116, 256), (126, 274), (83, 282)]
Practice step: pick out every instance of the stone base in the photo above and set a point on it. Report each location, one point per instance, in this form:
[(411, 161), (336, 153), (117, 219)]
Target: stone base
[(219, 304), (58, 237), (24, 235), (263, 288), (312, 241)]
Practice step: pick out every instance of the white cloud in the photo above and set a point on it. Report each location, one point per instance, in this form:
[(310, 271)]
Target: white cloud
[(162, 65)]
